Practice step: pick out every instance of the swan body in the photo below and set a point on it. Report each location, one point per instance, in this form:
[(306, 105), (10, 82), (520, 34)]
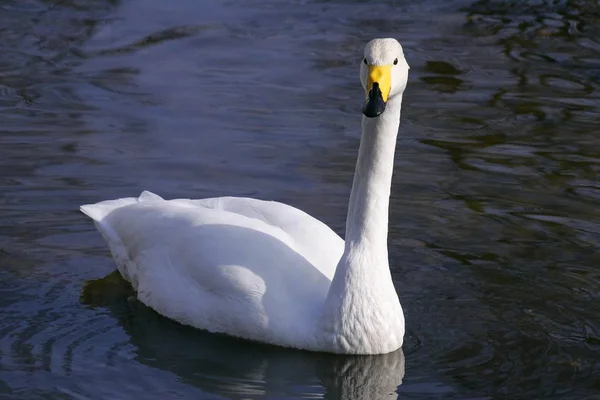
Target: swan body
[(269, 272)]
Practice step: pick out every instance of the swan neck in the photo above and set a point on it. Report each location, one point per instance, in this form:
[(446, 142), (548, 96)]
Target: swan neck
[(367, 219), (362, 312)]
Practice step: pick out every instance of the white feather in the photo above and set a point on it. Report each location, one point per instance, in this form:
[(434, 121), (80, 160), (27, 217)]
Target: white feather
[(264, 270)]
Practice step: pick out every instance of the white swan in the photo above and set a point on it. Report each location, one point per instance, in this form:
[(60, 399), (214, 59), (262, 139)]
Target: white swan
[(264, 270)]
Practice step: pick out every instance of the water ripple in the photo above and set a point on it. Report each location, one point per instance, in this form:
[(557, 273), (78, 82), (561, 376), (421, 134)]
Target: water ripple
[(493, 231)]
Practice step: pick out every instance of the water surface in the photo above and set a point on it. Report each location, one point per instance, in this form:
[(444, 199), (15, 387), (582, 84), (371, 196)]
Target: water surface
[(494, 225)]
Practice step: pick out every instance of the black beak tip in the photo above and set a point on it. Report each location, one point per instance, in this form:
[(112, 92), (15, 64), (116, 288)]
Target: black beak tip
[(371, 111), (374, 105)]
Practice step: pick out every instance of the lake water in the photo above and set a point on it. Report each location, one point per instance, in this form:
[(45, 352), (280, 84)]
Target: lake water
[(495, 217)]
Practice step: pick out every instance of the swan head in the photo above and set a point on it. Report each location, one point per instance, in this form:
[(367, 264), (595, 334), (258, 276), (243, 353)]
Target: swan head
[(383, 74)]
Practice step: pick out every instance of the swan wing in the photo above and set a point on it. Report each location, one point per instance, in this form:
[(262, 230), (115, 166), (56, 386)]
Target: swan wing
[(318, 243), (245, 267)]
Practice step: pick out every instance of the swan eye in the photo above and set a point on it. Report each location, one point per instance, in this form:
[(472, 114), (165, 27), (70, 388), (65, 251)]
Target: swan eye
[(396, 61), (365, 60)]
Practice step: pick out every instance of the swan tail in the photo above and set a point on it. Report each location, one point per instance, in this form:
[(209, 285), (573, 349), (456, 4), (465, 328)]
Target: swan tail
[(98, 212)]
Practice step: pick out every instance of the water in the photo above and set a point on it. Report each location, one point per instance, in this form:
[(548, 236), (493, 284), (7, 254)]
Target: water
[(494, 225)]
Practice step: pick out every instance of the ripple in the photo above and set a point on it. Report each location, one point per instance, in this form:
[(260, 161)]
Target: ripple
[(153, 39), (53, 337), (566, 83), (493, 219)]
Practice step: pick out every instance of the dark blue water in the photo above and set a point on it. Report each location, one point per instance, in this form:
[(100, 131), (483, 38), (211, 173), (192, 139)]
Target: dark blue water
[(495, 217)]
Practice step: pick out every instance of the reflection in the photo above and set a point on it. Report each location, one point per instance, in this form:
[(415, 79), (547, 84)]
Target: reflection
[(443, 78), (363, 377), (236, 368)]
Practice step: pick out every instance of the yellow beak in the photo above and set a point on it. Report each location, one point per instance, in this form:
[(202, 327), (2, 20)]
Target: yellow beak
[(381, 74)]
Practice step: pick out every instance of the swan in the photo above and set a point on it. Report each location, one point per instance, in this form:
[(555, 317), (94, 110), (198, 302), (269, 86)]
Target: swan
[(269, 272)]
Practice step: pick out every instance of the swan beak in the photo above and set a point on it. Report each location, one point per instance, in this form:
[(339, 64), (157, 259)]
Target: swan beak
[(379, 84)]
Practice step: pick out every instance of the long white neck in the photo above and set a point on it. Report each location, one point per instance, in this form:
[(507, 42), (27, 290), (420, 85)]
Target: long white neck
[(362, 295), (367, 219)]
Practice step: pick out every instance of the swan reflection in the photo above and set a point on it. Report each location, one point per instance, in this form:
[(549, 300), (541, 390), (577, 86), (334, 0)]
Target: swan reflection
[(238, 369)]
